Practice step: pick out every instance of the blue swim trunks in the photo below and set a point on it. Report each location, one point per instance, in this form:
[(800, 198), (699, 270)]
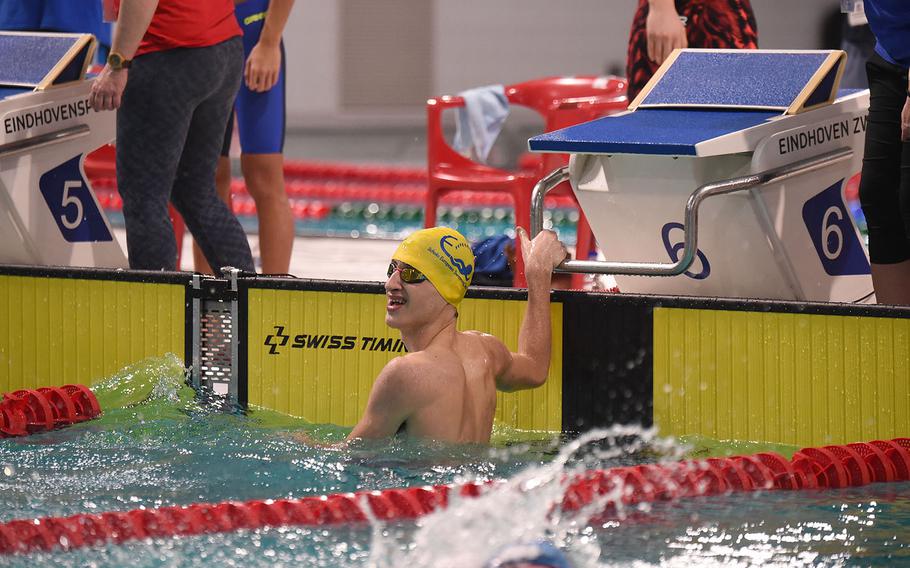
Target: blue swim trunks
[(260, 117)]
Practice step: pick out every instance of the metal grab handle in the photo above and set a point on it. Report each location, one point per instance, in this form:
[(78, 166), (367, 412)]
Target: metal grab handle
[(41, 140), (690, 226)]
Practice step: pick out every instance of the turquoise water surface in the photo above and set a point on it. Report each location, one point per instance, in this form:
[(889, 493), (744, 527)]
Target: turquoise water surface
[(156, 445)]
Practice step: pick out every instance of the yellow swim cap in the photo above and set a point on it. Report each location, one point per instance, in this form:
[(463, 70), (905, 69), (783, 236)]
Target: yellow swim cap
[(445, 258)]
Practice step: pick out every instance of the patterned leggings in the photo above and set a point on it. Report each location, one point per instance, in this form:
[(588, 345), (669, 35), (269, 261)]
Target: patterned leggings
[(169, 132)]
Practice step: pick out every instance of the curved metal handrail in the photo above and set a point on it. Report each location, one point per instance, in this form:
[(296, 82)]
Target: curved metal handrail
[(690, 226), (41, 140)]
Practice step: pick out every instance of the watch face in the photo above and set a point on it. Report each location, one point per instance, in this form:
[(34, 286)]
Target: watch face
[(115, 60)]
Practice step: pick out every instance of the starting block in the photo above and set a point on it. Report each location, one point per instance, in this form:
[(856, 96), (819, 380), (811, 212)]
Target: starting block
[(50, 213), (768, 133)]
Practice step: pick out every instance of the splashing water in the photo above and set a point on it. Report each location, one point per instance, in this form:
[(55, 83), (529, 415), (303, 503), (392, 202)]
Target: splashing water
[(155, 387), (156, 445), (522, 510)]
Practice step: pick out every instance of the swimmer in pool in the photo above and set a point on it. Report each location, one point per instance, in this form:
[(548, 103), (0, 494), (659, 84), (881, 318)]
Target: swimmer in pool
[(445, 387), (540, 554)]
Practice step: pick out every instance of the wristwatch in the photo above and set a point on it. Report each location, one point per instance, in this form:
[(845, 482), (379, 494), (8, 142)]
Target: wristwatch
[(118, 62)]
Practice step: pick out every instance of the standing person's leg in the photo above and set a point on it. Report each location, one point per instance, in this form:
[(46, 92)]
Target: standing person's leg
[(879, 190), (208, 218), (261, 126), (264, 176), (223, 188), (901, 270), (152, 123)]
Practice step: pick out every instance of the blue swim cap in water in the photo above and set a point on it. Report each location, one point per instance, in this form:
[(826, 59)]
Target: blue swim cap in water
[(540, 553)]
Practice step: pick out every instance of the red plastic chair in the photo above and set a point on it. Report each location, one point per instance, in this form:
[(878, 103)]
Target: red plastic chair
[(562, 102)]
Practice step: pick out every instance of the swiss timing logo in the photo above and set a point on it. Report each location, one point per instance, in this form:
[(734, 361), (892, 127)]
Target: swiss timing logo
[(279, 339), (314, 340)]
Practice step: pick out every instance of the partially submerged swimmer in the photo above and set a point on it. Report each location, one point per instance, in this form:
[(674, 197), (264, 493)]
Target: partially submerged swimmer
[(445, 387), (540, 554)]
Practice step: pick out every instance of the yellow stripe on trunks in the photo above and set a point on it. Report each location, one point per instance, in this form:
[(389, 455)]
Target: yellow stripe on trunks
[(253, 18)]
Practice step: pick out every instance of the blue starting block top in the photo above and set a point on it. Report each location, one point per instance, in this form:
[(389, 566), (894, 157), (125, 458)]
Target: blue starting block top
[(37, 60), (703, 95), (789, 81), (649, 131)]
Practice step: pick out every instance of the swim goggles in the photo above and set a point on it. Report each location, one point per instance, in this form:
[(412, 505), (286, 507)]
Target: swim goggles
[(409, 274)]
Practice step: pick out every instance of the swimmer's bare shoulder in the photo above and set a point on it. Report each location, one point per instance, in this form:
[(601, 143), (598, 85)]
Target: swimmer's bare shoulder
[(499, 358), (513, 371)]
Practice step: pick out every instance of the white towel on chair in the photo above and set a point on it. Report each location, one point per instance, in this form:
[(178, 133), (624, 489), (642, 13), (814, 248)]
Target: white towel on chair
[(480, 120)]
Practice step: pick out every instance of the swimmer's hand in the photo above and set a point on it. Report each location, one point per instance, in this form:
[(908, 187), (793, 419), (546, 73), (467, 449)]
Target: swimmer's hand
[(303, 438), (541, 255), (664, 29), (306, 439)]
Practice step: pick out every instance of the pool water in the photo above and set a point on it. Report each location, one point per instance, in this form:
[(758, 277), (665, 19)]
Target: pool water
[(156, 446)]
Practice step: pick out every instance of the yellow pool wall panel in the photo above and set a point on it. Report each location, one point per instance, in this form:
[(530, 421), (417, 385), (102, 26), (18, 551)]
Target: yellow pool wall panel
[(56, 331), (338, 342), (801, 379)]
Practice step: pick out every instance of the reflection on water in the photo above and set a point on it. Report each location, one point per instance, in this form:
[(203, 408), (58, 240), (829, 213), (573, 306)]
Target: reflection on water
[(157, 446), (857, 526)]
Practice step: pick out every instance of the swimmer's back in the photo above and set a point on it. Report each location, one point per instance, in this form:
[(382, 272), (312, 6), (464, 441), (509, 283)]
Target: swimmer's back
[(455, 390)]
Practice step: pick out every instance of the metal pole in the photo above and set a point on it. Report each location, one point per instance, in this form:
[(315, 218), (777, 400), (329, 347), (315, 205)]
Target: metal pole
[(690, 225), (35, 142)]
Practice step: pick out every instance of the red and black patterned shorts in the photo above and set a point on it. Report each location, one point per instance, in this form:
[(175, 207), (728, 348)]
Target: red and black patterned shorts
[(710, 23)]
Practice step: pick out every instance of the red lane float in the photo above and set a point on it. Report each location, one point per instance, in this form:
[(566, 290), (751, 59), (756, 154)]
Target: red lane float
[(28, 411), (380, 173), (331, 181), (603, 491), (336, 192), (101, 164)]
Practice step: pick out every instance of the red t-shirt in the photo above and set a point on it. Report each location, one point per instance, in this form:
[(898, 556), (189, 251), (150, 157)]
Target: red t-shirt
[(188, 23)]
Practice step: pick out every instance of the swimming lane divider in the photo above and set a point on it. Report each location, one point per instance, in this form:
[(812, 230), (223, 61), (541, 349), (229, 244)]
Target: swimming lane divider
[(604, 491), (25, 412)]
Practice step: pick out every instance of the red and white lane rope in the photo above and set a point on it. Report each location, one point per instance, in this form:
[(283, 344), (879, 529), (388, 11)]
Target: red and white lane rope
[(28, 411), (825, 467)]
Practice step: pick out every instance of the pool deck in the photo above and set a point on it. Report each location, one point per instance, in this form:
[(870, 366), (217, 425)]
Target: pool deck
[(328, 258), (339, 258)]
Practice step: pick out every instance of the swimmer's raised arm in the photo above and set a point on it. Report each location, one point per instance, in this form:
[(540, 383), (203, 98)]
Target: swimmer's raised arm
[(528, 368)]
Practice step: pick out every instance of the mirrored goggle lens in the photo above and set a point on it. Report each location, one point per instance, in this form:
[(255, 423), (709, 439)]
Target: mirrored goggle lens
[(409, 274)]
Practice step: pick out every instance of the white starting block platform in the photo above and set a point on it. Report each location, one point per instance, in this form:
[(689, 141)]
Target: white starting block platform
[(765, 131), (50, 214)]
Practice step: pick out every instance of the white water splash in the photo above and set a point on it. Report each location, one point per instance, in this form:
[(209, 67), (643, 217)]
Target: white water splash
[(523, 509)]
